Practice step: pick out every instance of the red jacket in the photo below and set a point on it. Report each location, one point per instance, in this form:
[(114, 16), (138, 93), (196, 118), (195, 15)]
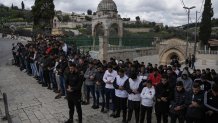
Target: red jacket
[(155, 80)]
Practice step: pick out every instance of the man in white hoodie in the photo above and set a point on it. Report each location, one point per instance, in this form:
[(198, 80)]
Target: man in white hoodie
[(147, 101), (108, 78), (121, 94), (132, 87)]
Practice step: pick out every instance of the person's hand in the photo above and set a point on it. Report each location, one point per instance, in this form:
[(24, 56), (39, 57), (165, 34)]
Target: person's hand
[(69, 89), (121, 88), (91, 77), (209, 113), (135, 91), (177, 108), (97, 83), (195, 104), (164, 99), (158, 100)]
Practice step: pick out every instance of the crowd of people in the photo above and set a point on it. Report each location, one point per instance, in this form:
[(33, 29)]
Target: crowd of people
[(118, 85)]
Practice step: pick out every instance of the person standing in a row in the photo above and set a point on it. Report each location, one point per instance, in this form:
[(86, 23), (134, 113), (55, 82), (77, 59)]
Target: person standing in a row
[(74, 85)]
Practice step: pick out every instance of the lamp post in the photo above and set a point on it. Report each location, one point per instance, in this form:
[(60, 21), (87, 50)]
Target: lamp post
[(188, 8)]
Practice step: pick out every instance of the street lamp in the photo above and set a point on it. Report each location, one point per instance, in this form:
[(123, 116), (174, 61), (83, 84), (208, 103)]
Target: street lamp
[(188, 8)]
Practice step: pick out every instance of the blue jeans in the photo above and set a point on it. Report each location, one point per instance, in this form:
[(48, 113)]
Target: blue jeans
[(91, 88), (41, 74), (100, 91), (52, 79), (62, 84), (110, 94)]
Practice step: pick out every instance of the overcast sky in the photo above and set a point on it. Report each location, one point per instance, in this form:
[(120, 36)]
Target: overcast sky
[(169, 12)]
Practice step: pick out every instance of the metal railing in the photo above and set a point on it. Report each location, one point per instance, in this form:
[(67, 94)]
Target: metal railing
[(208, 52)]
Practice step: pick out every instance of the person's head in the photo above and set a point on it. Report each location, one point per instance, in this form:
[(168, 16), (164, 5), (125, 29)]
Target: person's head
[(110, 68), (184, 74), (179, 86), (72, 67), (149, 83), (215, 89), (133, 76), (155, 71), (208, 70), (121, 73), (198, 72), (196, 88), (91, 64), (100, 68), (164, 79), (169, 71)]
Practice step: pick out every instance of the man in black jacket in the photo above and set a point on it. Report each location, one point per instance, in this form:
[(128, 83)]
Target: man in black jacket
[(195, 110), (211, 104), (74, 85), (163, 97)]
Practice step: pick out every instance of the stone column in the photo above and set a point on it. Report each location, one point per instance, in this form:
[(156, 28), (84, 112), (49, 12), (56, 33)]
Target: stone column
[(103, 48), (120, 42)]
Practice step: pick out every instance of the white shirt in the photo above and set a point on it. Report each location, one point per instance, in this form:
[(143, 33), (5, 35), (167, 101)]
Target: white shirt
[(147, 96), (121, 82), (134, 85), (109, 77)]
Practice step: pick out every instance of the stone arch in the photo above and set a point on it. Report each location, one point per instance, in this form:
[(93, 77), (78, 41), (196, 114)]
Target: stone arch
[(114, 30), (166, 55), (98, 30)]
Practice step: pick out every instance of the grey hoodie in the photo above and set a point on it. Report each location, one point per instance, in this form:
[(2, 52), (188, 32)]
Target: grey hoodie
[(186, 82), (90, 72)]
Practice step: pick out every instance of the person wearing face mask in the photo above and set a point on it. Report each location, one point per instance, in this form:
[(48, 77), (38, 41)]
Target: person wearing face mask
[(74, 85), (211, 105), (132, 87), (187, 81)]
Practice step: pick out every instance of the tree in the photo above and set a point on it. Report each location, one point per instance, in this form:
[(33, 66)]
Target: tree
[(22, 5), (89, 12), (43, 14), (205, 26), (137, 18), (66, 18)]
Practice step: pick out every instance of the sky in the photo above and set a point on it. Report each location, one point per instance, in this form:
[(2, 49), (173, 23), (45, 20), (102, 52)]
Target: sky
[(168, 12)]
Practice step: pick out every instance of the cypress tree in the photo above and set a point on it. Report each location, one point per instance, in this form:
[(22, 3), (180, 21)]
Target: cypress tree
[(206, 26)]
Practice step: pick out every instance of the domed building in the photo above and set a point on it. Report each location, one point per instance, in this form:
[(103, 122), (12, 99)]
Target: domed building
[(107, 18)]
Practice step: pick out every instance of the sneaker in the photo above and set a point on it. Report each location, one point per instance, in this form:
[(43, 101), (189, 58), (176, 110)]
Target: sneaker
[(106, 111), (69, 121), (113, 114), (116, 116), (58, 96), (102, 110), (95, 107)]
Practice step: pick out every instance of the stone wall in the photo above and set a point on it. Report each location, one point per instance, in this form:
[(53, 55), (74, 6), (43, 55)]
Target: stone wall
[(204, 61)]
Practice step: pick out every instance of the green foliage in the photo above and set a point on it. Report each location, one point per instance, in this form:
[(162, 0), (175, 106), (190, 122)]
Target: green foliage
[(206, 26), (43, 13), (66, 18), (88, 18), (22, 5), (89, 12)]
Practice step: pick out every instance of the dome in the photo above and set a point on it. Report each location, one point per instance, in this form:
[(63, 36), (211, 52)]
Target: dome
[(107, 5)]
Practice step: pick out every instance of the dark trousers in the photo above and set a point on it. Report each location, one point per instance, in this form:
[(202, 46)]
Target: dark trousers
[(91, 88), (121, 104), (193, 120), (163, 116), (110, 94), (46, 78), (72, 103), (100, 92), (180, 118), (133, 106), (145, 109)]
